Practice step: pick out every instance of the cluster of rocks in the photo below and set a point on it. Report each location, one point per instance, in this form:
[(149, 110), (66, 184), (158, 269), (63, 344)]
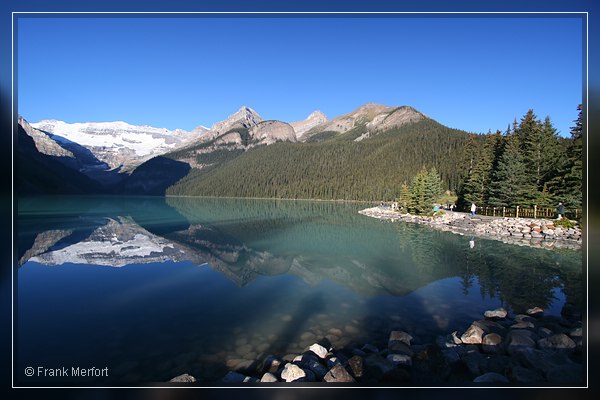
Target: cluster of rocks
[(529, 229), (541, 233), (526, 349)]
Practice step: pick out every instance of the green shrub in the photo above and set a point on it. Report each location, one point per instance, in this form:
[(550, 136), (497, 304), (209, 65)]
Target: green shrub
[(565, 223)]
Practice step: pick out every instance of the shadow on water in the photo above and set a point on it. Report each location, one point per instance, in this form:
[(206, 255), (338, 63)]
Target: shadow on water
[(309, 306)]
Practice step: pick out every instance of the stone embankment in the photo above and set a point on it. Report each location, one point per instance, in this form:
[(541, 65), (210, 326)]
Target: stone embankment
[(528, 349), (542, 233)]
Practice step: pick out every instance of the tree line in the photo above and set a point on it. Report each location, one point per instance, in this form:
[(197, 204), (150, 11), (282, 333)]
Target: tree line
[(528, 164)]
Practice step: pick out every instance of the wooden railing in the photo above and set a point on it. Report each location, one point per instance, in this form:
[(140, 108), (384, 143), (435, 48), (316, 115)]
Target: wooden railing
[(522, 212)]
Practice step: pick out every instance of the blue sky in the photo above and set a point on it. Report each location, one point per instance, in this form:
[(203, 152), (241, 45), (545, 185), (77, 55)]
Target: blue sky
[(469, 73)]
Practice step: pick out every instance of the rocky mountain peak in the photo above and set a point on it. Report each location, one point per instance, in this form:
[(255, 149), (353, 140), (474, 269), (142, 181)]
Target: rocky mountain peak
[(44, 143), (245, 117), (301, 127), (317, 116)]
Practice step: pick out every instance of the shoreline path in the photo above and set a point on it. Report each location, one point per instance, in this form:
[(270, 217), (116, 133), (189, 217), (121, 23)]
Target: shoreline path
[(540, 233)]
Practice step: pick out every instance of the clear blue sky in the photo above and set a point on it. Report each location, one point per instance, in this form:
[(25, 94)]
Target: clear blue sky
[(469, 73)]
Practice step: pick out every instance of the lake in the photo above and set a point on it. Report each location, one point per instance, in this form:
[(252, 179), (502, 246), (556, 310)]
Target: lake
[(152, 287)]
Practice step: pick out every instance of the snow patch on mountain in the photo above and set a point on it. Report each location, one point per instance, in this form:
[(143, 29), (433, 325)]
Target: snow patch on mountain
[(120, 143)]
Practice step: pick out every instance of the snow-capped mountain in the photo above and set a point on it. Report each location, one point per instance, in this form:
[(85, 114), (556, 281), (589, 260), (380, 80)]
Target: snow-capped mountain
[(120, 242), (119, 144)]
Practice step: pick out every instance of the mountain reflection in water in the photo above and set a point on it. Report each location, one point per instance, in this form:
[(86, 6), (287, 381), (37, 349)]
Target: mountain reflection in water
[(328, 246)]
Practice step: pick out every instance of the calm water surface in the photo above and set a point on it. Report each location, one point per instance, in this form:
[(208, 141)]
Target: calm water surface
[(152, 287)]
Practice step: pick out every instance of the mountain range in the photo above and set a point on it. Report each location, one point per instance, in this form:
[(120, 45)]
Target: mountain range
[(117, 157)]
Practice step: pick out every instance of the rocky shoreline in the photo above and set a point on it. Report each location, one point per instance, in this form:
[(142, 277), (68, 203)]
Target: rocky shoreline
[(540, 233), (500, 349)]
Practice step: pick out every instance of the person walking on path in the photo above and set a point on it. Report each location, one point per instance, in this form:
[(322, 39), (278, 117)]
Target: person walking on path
[(561, 210), (473, 208)]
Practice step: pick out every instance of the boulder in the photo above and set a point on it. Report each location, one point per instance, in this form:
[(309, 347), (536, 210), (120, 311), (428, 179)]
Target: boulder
[(292, 372), (338, 374), (558, 342), (318, 350), (183, 378), (268, 377), (541, 360), (491, 343), (519, 339), (316, 367), (399, 359), (523, 318), (356, 365), (535, 312), (233, 377), (473, 335), (489, 326), (400, 348), (400, 336), (297, 359), (497, 313), (523, 325), (491, 377)]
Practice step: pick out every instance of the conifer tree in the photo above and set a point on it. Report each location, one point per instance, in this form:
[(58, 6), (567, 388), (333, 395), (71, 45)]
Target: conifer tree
[(405, 200), (433, 185), (539, 145), (477, 186), (566, 185), (510, 184), (419, 201), (425, 189)]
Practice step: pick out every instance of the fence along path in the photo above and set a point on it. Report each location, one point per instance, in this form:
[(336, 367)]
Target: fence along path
[(535, 212)]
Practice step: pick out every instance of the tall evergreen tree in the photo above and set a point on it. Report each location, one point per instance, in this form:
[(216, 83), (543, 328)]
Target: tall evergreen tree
[(567, 183), (477, 186), (433, 185), (510, 185), (425, 189), (419, 202), (405, 198), (468, 162), (539, 144)]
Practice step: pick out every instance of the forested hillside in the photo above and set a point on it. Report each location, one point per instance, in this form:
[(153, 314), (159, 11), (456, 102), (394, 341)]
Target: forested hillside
[(372, 169)]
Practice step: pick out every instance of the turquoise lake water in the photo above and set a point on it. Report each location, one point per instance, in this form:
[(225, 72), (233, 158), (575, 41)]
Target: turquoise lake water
[(152, 287)]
